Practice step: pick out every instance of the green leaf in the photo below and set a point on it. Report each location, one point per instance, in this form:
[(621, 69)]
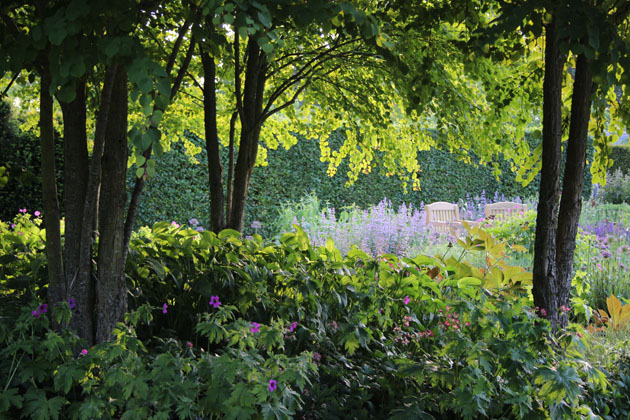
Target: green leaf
[(265, 19)]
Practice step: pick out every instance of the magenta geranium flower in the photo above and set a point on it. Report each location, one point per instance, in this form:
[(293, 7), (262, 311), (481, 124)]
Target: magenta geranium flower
[(84, 352), (255, 327), (214, 302), (35, 314), (43, 308), (272, 385), (37, 213), (293, 326), (406, 300), (22, 210), (164, 307), (72, 303)]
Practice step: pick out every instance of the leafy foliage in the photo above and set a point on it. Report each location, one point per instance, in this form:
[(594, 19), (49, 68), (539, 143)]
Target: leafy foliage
[(294, 330)]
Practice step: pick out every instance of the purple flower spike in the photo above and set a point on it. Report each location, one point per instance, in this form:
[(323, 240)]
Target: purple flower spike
[(72, 303), (214, 302), (255, 328), (164, 308), (272, 385), (35, 314)]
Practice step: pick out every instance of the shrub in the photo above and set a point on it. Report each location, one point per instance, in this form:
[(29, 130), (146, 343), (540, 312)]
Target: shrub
[(617, 188), (340, 337)]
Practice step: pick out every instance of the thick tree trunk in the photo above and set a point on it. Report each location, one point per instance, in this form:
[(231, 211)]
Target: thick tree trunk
[(571, 201), (251, 123), (75, 176), (544, 270), (82, 286), (111, 290), (215, 169), (54, 257)]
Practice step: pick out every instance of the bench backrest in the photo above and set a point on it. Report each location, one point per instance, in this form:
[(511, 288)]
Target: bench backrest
[(504, 209), (441, 211)]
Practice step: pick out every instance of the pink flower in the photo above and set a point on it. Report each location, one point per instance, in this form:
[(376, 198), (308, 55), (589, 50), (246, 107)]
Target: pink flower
[(543, 312), (84, 352), (214, 302), (467, 324), (189, 344), (406, 300), (272, 385), (37, 213), (35, 314), (22, 210), (174, 223), (599, 266), (255, 327), (293, 326), (164, 307)]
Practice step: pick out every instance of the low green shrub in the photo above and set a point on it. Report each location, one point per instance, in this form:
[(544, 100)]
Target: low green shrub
[(223, 327), (617, 188)]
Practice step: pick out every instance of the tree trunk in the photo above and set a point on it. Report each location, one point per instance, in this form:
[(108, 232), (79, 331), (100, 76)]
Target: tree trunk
[(571, 201), (82, 290), (54, 257), (215, 170), (75, 176), (230, 174), (251, 123), (544, 270), (111, 290)]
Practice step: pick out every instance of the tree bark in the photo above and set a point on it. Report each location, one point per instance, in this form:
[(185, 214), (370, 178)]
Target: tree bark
[(111, 290), (75, 176), (82, 290), (56, 284), (215, 169), (544, 269), (571, 201), (230, 174), (251, 122)]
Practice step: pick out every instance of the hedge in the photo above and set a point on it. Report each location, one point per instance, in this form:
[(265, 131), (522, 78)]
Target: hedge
[(620, 154), (20, 155), (179, 190)]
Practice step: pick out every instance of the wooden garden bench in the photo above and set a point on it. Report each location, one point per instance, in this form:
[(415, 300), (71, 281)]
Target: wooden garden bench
[(504, 209), (443, 217)]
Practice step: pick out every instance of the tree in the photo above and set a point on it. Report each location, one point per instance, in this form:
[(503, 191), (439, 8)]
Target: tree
[(273, 72), (591, 38), (75, 47)]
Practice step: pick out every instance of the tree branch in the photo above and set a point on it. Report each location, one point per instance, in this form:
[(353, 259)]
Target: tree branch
[(178, 42)]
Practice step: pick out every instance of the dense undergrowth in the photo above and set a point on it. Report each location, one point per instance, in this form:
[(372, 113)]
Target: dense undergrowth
[(221, 327)]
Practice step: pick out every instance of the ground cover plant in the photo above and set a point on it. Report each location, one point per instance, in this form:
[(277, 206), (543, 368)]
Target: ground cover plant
[(226, 327)]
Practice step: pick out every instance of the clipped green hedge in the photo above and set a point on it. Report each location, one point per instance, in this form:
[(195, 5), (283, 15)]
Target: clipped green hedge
[(20, 156), (179, 191), (620, 154)]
